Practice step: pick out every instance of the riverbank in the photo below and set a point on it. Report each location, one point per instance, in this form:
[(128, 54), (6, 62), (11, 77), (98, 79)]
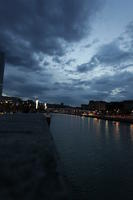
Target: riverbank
[(117, 118), (126, 119)]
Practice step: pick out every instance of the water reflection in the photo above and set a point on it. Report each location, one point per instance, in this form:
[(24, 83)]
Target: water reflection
[(131, 132), (97, 124), (97, 156), (107, 128), (116, 130), (107, 125), (88, 120)]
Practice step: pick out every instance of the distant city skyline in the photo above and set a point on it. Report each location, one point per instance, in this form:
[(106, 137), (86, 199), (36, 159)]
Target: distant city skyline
[(69, 51)]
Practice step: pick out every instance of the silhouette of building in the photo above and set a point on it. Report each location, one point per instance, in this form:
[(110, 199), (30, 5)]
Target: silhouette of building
[(84, 107), (128, 105), (97, 105), (2, 65)]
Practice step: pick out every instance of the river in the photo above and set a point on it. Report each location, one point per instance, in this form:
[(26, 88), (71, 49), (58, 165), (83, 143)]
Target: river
[(97, 156)]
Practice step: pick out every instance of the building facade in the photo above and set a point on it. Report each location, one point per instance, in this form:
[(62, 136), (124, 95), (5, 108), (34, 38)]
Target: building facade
[(128, 105), (97, 105), (2, 65)]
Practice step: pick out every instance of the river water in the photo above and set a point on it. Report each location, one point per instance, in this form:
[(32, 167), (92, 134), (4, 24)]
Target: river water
[(97, 156)]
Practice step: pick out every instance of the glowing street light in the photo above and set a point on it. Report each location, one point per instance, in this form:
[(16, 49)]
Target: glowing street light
[(45, 106), (37, 102)]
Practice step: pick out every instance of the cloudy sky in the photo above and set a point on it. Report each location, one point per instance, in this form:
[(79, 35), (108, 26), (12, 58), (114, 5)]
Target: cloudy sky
[(69, 51)]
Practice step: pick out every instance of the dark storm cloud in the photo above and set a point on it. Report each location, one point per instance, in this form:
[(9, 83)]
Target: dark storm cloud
[(70, 61), (94, 95), (121, 79), (95, 41), (35, 26), (128, 39), (111, 54), (83, 68), (57, 59), (33, 29), (45, 63), (60, 61), (69, 93), (26, 84), (78, 91), (102, 88), (80, 82), (108, 55), (23, 87), (117, 54), (129, 30), (107, 87)]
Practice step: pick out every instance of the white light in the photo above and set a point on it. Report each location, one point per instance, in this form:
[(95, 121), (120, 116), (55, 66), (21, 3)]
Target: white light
[(45, 105), (37, 101)]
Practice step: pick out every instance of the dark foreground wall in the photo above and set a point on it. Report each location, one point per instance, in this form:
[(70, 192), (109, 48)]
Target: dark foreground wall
[(29, 167)]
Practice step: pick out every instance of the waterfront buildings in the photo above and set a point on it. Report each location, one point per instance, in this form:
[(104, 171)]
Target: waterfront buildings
[(97, 105), (128, 105), (2, 65), (111, 107), (84, 106)]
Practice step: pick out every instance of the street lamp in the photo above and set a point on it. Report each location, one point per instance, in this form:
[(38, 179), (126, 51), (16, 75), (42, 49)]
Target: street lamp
[(45, 106), (37, 102)]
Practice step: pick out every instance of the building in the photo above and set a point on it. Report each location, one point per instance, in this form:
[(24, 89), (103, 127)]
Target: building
[(84, 107), (97, 105), (114, 107), (128, 106), (124, 107), (2, 65)]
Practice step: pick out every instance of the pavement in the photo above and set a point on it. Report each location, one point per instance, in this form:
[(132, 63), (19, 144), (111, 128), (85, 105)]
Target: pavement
[(29, 164)]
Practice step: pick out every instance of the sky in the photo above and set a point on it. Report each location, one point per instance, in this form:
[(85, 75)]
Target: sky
[(70, 51)]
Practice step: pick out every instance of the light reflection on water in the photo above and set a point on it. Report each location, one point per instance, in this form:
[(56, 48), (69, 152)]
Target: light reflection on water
[(97, 156), (116, 130), (131, 132)]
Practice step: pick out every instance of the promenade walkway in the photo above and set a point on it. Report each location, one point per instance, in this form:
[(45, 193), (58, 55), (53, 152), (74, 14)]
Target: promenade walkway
[(29, 168)]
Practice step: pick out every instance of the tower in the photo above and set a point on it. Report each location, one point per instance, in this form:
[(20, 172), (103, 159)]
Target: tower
[(2, 65)]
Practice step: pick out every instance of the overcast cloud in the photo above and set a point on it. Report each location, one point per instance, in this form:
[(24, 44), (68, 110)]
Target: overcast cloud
[(53, 51)]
